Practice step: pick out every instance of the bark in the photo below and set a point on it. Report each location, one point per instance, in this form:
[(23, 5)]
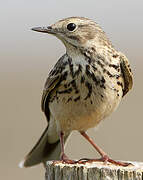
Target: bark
[(93, 171)]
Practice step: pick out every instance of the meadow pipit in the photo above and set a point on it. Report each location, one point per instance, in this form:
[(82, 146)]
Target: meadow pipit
[(85, 86)]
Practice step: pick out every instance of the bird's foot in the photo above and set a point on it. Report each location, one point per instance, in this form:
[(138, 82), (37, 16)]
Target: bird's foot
[(119, 163), (104, 159), (65, 159)]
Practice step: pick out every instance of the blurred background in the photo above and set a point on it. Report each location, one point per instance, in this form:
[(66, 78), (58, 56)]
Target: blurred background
[(25, 60)]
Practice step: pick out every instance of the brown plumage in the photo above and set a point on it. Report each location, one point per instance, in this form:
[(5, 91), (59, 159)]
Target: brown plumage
[(84, 87)]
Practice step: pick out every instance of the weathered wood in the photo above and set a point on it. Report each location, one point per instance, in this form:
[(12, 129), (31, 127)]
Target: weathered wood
[(93, 171)]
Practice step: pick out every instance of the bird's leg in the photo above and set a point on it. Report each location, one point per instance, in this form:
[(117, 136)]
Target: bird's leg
[(64, 158), (104, 157), (98, 149)]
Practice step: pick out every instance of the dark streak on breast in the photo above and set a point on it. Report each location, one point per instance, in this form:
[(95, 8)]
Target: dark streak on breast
[(100, 64), (73, 83), (77, 98), (101, 58), (116, 67), (91, 75), (102, 86), (64, 76), (89, 87), (115, 55), (70, 66), (65, 91), (120, 84), (76, 73), (108, 73), (82, 80), (101, 96), (69, 99), (103, 80), (94, 68)]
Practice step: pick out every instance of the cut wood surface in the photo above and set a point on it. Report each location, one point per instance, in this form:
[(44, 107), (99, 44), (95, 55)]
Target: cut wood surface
[(93, 171)]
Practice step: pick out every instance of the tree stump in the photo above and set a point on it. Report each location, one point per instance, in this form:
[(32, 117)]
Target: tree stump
[(93, 171)]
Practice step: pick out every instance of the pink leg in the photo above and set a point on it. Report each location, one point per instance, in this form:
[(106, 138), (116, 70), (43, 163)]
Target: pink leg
[(104, 156), (64, 158)]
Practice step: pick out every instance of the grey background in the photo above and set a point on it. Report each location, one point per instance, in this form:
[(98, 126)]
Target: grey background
[(25, 60)]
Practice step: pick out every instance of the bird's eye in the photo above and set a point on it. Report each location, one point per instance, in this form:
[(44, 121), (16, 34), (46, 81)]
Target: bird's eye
[(71, 26)]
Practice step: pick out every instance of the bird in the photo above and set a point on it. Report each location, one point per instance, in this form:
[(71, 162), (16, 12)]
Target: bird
[(84, 87)]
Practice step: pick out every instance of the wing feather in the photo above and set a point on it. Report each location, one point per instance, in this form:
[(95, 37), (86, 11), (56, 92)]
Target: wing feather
[(55, 77), (127, 73), (51, 83)]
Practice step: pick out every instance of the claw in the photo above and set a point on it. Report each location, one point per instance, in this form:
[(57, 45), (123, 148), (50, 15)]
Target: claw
[(65, 159), (104, 159), (124, 164)]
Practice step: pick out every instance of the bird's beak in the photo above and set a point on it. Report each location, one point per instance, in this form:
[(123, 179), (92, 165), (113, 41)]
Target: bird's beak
[(44, 29)]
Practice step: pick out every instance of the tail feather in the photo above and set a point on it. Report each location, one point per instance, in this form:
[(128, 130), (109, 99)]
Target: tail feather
[(42, 151)]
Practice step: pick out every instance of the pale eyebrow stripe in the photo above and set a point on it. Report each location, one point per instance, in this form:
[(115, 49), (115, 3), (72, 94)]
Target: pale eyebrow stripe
[(84, 25)]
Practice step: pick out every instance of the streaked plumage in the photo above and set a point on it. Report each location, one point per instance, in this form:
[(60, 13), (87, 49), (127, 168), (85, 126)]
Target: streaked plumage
[(85, 86)]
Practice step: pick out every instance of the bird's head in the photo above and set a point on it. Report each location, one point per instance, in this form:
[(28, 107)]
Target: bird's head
[(76, 32)]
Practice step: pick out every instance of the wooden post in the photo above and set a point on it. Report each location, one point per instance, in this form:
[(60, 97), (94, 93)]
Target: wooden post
[(93, 171)]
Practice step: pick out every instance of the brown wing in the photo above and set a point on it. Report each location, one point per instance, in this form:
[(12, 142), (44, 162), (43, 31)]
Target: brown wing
[(127, 73), (55, 77), (50, 84)]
